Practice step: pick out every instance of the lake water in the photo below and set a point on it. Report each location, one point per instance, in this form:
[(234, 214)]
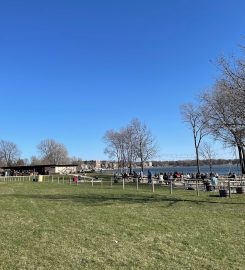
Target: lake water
[(220, 169)]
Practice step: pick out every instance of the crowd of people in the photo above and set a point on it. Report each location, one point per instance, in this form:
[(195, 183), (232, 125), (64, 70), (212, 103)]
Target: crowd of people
[(18, 173), (210, 180), (161, 177)]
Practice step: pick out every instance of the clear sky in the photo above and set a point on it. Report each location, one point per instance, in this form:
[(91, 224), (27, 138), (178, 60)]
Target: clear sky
[(71, 70)]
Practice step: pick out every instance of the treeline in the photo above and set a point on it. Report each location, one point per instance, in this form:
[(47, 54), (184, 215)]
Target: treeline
[(49, 152), (186, 163)]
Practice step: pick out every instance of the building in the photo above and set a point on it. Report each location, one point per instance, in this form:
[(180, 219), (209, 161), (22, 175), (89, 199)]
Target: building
[(39, 169)]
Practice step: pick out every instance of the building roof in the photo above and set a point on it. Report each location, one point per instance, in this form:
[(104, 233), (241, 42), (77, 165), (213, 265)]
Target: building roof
[(29, 167)]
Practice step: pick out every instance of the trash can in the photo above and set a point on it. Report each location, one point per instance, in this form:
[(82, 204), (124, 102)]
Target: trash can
[(223, 193), (240, 190)]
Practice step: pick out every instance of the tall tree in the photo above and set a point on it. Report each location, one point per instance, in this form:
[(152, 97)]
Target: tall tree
[(207, 152), (193, 117), (224, 105), (144, 142), (9, 152), (224, 122), (132, 143), (129, 141), (52, 152), (115, 147)]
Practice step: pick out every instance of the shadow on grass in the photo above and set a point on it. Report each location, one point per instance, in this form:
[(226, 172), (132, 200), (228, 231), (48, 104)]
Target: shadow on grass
[(108, 199)]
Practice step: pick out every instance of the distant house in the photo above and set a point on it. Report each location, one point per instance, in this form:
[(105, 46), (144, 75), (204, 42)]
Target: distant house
[(61, 169), (89, 165)]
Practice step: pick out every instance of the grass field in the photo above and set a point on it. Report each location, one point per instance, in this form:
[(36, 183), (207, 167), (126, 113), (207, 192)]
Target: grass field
[(51, 226)]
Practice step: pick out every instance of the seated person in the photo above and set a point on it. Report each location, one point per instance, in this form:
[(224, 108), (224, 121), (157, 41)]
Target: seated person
[(232, 175), (135, 175)]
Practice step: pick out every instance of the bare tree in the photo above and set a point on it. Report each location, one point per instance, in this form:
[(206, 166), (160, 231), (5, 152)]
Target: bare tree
[(129, 139), (193, 117), (224, 106), (224, 122), (115, 147), (9, 152), (52, 152), (35, 160), (135, 142), (233, 81), (22, 162), (144, 142), (207, 152)]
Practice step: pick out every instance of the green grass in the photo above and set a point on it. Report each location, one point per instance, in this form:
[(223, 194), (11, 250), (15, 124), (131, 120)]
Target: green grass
[(51, 226)]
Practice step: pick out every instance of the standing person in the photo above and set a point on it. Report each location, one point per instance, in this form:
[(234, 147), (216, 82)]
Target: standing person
[(141, 176), (149, 177), (214, 182), (160, 179), (171, 178), (124, 176)]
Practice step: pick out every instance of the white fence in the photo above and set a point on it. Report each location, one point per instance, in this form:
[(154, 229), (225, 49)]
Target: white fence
[(65, 179), (228, 184), (16, 178)]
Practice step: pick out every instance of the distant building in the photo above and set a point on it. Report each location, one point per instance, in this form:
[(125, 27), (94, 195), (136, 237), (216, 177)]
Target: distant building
[(61, 169), (89, 165), (39, 169)]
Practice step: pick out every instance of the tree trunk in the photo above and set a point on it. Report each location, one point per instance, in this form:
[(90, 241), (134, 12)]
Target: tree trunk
[(118, 165), (142, 165), (130, 168), (197, 160), (241, 159), (210, 166)]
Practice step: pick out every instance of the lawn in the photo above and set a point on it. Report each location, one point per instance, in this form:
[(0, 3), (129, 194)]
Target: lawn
[(62, 226)]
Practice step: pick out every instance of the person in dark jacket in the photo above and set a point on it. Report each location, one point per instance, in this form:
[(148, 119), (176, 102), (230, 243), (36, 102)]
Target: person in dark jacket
[(149, 177)]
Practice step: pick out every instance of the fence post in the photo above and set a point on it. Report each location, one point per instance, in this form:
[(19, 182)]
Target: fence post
[(229, 187), (111, 181), (123, 182), (137, 183), (92, 182), (63, 180), (171, 186), (197, 187), (153, 188)]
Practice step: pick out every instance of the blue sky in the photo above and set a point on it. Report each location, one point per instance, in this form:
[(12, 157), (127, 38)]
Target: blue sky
[(71, 70)]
